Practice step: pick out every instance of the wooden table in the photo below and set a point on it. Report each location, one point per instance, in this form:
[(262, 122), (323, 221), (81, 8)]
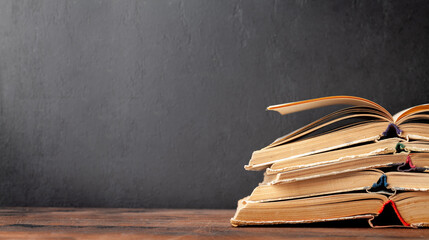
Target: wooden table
[(115, 223)]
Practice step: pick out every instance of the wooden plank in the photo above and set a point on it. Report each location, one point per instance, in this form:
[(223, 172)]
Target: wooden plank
[(115, 223)]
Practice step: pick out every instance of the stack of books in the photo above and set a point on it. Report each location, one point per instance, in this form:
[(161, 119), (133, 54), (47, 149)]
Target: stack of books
[(355, 163)]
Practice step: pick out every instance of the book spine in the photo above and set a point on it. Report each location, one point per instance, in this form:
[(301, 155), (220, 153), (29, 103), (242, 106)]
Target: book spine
[(396, 211), (382, 182), (408, 166), (393, 126)]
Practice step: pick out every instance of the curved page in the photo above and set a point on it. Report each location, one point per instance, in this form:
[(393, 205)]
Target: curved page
[(292, 107)]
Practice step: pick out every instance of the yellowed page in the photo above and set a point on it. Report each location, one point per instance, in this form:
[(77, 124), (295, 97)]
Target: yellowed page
[(402, 115), (386, 146), (313, 209), (346, 137), (346, 113), (292, 107), (346, 182)]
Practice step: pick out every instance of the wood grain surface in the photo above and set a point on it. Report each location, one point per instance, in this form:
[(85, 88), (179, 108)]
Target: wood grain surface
[(122, 223)]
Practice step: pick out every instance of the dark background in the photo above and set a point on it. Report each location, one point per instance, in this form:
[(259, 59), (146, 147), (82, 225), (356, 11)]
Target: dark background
[(161, 103)]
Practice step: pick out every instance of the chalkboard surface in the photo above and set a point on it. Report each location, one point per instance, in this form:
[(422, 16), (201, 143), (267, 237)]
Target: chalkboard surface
[(161, 103)]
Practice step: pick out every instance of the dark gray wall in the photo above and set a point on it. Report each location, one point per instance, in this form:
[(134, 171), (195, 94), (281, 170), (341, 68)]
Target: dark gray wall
[(161, 103)]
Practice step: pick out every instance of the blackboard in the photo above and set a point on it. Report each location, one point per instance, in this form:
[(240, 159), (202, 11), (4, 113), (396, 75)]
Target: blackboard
[(161, 103)]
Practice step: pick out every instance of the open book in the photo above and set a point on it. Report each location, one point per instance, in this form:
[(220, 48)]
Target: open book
[(371, 121), (367, 180), (410, 207)]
